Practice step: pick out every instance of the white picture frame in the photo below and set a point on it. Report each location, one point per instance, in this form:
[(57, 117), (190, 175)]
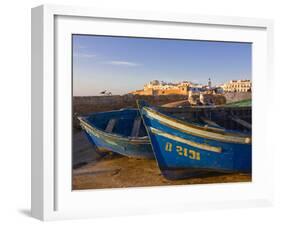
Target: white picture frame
[(52, 197)]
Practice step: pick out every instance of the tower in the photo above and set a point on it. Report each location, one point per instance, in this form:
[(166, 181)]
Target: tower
[(209, 83)]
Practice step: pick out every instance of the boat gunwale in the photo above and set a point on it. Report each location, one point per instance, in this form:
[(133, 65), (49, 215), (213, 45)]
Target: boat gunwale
[(141, 140)]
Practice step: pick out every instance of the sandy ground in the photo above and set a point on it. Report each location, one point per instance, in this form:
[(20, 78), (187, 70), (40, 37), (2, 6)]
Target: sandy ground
[(93, 169)]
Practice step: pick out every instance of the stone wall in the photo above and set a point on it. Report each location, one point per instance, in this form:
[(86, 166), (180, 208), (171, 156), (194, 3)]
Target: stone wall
[(237, 96), (86, 105), (101, 103)]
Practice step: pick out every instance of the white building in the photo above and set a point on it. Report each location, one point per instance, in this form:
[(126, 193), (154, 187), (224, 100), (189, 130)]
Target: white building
[(237, 86)]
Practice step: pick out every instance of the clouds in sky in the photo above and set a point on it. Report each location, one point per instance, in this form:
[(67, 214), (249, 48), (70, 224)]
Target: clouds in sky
[(123, 63), (84, 55), (80, 55)]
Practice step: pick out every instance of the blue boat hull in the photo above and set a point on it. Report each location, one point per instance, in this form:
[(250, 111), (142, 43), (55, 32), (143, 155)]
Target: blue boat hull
[(181, 154), (135, 147)]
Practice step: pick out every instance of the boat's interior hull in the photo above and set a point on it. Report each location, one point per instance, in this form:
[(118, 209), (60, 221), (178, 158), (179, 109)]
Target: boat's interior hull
[(223, 117), (123, 124)]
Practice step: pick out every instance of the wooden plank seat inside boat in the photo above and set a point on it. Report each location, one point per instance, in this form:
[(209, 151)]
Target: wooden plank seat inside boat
[(110, 125), (136, 127), (241, 122), (209, 122)]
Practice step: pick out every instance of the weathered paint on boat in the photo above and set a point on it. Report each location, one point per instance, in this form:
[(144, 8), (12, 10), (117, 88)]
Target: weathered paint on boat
[(119, 140), (183, 149)]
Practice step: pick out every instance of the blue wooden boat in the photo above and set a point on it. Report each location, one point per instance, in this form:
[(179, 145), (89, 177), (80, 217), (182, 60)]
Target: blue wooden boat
[(206, 140), (120, 131)]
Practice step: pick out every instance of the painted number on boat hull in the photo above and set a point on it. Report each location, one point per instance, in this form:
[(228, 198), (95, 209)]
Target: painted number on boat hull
[(183, 151)]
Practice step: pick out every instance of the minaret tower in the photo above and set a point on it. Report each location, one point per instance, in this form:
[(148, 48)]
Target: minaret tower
[(209, 83)]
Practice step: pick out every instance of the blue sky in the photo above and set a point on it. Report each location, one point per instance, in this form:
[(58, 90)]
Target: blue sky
[(120, 64)]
